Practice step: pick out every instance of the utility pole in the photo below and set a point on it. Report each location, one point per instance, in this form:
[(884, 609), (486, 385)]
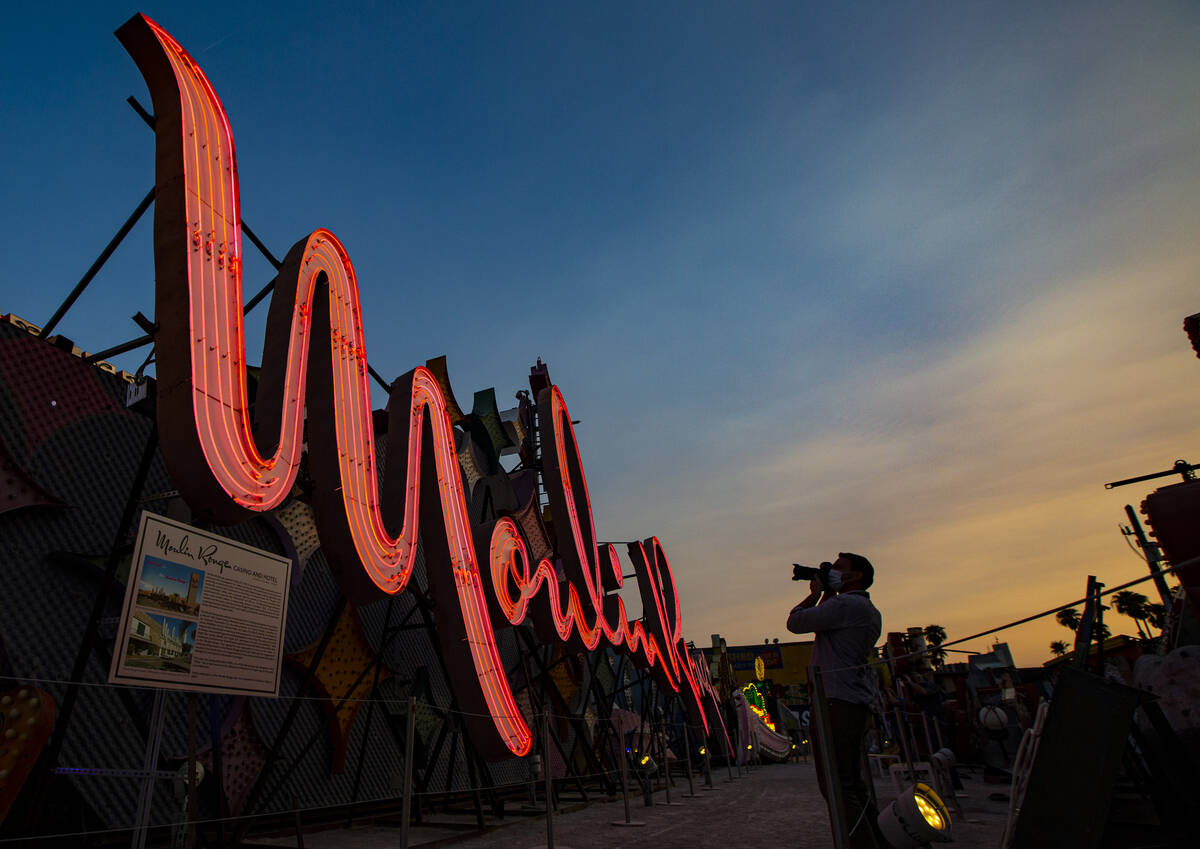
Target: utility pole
[(1153, 555)]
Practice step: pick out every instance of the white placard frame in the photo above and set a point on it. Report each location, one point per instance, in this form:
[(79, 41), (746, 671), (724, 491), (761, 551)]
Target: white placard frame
[(221, 632)]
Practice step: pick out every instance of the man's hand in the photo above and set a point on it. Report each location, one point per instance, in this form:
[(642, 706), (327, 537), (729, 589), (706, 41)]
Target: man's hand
[(815, 590)]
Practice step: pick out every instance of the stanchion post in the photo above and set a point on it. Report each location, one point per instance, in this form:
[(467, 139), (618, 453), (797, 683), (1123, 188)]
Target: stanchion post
[(662, 738), (708, 782), (737, 751), (624, 777), (687, 751), (906, 744), (406, 805), (620, 736), (549, 780)]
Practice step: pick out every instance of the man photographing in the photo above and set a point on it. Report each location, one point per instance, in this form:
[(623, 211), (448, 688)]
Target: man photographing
[(846, 626)]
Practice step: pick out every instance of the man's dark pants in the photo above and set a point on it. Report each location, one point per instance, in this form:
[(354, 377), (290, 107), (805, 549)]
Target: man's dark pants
[(848, 725)]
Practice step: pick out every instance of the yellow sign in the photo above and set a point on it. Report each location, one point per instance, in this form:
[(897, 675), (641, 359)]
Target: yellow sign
[(760, 668)]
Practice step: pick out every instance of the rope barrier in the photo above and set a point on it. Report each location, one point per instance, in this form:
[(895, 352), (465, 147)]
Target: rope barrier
[(381, 700), (463, 791)]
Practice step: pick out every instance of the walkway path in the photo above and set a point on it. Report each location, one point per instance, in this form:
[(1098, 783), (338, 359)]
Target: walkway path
[(775, 805)]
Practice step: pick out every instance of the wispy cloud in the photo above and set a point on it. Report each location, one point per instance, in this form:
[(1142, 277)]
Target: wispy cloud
[(1013, 241)]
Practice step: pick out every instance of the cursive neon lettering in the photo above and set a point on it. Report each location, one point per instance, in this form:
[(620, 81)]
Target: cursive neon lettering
[(230, 468)]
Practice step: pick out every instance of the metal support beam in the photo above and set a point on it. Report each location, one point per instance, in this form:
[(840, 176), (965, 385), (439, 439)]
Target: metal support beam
[(593, 764), (49, 758), (262, 249), (256, 792), (98, 264), (124, 347), (362, 749)]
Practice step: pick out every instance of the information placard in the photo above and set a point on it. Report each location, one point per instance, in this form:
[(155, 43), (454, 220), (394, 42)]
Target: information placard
[(202, 613)]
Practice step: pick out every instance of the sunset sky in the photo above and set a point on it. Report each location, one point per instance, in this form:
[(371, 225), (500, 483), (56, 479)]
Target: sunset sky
[(900, 279)]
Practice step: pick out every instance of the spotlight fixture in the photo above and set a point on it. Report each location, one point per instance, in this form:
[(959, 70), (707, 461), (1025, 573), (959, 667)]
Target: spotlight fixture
[(703, 750), (647, 766), (916, 818)]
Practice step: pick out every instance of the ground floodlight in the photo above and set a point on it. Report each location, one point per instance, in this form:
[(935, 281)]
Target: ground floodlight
[(703, 750), (647, 765), (916, 818)]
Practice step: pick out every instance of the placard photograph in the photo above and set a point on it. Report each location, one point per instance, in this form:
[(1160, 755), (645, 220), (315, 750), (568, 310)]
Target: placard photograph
[(160, 642), (171, 587)]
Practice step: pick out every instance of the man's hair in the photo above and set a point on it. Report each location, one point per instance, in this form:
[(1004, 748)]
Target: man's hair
[(861, 565)]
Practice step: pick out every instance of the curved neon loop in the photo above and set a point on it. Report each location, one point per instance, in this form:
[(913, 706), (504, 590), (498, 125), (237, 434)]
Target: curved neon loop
[(510, 562)]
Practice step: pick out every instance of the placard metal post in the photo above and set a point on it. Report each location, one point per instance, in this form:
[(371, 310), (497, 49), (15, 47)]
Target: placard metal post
[(150, 765), (191, 782)]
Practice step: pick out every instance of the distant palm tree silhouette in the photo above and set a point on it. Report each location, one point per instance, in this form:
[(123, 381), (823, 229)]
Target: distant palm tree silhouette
[(1068, 617), (1133, 605), (935, 635)]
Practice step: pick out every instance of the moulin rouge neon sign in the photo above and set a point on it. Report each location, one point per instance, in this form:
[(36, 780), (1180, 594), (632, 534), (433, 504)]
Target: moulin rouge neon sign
[(229, 467)]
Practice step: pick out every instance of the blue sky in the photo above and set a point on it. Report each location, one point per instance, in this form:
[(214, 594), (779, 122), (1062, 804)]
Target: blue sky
[(904, 280)]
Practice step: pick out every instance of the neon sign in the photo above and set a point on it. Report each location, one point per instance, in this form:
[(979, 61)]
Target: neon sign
[(756, 703), (229, 467)]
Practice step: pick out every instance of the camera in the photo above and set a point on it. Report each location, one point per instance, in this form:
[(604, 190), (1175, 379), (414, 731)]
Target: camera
[(807, 573)]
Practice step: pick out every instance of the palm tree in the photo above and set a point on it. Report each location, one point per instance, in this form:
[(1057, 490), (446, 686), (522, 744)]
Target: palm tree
[(1133, 605), (1068, 617), (1058, 647), (935, 635)]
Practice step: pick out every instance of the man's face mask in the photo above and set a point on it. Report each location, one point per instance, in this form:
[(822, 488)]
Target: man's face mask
[(835, 579)]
